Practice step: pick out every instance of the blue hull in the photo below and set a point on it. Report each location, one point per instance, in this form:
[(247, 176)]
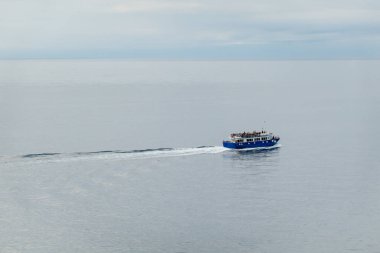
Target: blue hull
[(244, 145)]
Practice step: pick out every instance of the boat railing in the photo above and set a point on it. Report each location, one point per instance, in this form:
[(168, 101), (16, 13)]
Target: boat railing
[(248, 135), (273, 137)]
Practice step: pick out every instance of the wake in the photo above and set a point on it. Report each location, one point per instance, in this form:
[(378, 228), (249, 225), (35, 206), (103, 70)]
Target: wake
[(113, 154), (152, 153), (123, 154)]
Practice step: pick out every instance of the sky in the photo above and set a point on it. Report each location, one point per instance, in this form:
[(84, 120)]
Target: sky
[(190, 29)]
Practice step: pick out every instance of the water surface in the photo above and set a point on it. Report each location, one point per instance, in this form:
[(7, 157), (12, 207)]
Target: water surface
[(123, 156)]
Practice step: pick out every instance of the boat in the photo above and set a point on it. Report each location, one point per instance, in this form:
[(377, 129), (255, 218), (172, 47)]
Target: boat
[(251, 140)]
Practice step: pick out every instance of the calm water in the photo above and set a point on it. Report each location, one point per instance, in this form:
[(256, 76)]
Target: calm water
[(153, 190)]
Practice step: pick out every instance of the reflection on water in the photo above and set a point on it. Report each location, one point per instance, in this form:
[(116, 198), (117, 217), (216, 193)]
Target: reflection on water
[(254, 154), (247, 163), (252, 162)]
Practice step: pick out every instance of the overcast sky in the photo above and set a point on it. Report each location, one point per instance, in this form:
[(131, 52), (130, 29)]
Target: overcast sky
[(190, 29)]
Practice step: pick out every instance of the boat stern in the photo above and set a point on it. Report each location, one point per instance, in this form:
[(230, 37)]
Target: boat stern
[(229, 144)]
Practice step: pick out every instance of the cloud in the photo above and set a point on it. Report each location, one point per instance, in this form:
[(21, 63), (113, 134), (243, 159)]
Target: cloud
[(161, 6), (180, 25), (327, 16)]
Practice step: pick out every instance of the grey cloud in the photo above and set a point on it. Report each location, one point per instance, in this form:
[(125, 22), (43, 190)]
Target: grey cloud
[(90, 25)]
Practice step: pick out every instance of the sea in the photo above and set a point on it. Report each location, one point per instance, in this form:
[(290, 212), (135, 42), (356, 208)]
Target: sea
[(126, 156)]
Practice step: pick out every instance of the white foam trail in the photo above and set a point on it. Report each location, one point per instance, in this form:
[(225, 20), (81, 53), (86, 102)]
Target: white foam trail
[(121, 155), (112, 155), (160, 153)]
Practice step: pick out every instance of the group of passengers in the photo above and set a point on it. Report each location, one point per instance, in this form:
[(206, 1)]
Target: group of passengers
[(248, 134)]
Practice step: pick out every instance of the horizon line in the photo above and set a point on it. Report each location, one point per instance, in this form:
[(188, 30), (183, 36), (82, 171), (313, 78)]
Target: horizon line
[(188, 59)]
